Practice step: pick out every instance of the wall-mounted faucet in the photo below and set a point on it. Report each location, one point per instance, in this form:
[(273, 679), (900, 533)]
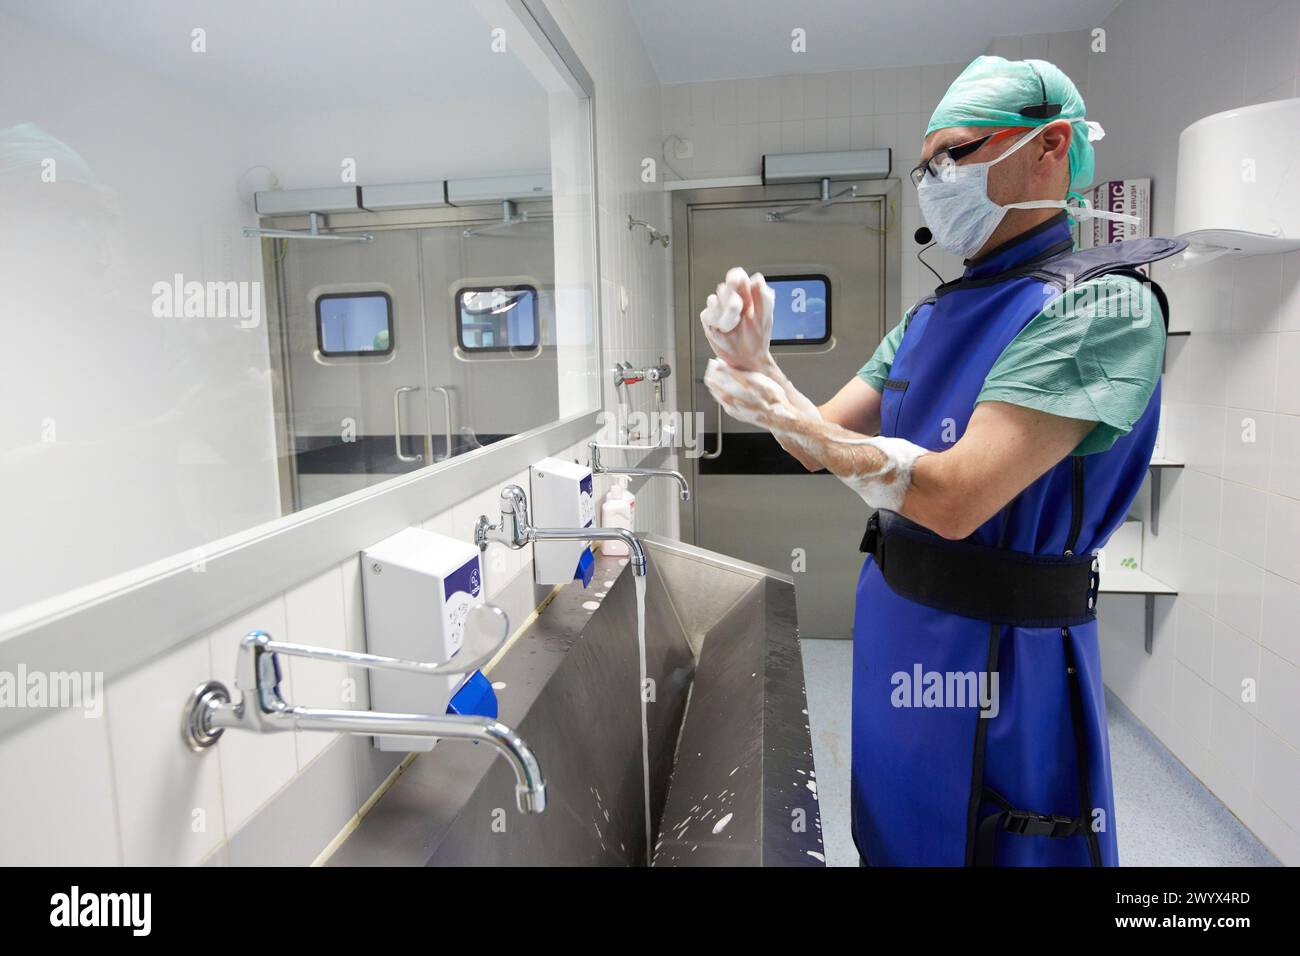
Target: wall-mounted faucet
[(600, 468), (261, 708), (515, 531), (624, 374)]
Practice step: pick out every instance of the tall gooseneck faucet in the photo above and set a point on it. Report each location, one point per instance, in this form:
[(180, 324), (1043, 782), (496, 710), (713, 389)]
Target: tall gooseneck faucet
[(515, 531), (600, 468)]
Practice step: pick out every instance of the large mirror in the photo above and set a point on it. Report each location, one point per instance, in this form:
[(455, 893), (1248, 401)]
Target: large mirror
[(259, 255)]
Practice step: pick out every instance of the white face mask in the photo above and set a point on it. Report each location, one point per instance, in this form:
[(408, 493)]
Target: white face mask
[(959, 212)]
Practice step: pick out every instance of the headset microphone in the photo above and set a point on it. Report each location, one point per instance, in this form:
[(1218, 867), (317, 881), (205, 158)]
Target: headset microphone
[(924, 237)]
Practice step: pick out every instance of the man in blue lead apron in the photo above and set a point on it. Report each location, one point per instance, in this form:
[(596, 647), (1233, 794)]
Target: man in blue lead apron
[(1000, 432)]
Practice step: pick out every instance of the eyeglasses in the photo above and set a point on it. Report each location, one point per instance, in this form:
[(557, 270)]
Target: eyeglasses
[(942, 163)]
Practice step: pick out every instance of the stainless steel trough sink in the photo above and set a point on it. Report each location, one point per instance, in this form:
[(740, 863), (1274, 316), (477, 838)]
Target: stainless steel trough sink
[(731, 768)]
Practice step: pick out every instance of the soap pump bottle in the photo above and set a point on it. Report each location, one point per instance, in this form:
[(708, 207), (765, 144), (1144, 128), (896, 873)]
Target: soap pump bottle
[(617, 511)]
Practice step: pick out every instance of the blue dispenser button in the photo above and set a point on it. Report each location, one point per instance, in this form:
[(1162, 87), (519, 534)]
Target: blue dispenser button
[(476, 698), (586, 567)]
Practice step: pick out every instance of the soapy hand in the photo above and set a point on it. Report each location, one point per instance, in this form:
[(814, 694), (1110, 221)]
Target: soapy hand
[(737, 320), (749, 396), (746, 381)]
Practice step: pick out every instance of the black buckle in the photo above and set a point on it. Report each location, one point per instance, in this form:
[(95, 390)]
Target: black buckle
[(871, 537), (1041, 110), (1094, 584), (1036, 824)]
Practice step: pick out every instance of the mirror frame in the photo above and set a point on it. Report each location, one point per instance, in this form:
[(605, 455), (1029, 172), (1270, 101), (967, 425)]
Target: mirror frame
[(118, 623)]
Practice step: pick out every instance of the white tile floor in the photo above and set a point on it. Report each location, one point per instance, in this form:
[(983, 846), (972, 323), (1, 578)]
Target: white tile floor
[(1166, 817)]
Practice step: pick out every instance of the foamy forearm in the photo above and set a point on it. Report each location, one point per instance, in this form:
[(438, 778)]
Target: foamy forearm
[(801, 403), (844, 453), (878, 469)]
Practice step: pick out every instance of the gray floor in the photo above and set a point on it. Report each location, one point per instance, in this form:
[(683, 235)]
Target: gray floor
[(1166, 817)]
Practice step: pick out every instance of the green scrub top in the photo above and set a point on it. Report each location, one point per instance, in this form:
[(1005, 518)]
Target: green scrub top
[(1076, 359)]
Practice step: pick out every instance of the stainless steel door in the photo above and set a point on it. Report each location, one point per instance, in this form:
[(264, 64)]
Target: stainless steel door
[(750, 499), (355, 419), (494, 394)]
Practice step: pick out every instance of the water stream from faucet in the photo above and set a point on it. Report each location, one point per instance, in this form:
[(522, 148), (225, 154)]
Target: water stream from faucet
[(640, 581)]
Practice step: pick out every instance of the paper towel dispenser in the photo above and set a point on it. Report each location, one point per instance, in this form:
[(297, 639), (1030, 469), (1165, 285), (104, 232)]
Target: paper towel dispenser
[(1239, 181)]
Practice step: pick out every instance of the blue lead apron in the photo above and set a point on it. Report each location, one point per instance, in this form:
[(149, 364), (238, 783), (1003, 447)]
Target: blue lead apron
[(1024, 779)]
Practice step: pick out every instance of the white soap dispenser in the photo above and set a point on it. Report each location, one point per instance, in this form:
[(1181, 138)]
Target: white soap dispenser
[(563, 496), (617, 511), (418, 588)]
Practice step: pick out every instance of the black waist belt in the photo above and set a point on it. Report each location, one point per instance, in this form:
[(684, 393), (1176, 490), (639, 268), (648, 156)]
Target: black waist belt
[(973, 580)]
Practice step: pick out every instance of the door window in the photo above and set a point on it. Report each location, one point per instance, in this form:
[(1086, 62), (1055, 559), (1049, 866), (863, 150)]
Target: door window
[(493, 319), (354, 323), (802, 314)]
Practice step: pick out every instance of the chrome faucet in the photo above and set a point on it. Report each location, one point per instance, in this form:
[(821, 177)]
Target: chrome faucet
[(261, 708), (599, 468), (515, 531)]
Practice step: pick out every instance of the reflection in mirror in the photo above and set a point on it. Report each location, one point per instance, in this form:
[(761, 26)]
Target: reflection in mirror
[(449, 341), (498, 319), (257, 258), (356, 323)]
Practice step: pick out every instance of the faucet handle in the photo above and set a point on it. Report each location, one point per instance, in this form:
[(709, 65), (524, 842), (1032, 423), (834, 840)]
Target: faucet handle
[(513, 527), (486, 629), (514, 501), (482, 531)]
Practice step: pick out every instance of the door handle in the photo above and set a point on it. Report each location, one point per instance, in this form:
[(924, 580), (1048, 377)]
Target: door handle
[(397, 422), (446, 421), (717, 452)]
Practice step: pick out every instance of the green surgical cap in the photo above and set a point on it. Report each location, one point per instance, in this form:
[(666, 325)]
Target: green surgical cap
[(992, 91)]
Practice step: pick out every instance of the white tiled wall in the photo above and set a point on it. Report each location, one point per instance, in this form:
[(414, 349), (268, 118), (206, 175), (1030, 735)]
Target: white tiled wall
[(124, 789), (628, 131), (1230, 522)]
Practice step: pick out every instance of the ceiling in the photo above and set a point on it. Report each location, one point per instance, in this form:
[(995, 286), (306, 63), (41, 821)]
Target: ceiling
[(296, 54), (694, 40)]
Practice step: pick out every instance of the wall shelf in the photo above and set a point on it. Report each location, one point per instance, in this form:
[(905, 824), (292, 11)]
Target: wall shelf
[(1157, 468), (1164, 359), (1133, 582), (1138, 582)]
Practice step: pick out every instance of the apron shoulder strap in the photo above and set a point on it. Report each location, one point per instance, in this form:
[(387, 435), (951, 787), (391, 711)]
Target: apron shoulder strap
[(1118, 258), (1079, 265), (907, 316)]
